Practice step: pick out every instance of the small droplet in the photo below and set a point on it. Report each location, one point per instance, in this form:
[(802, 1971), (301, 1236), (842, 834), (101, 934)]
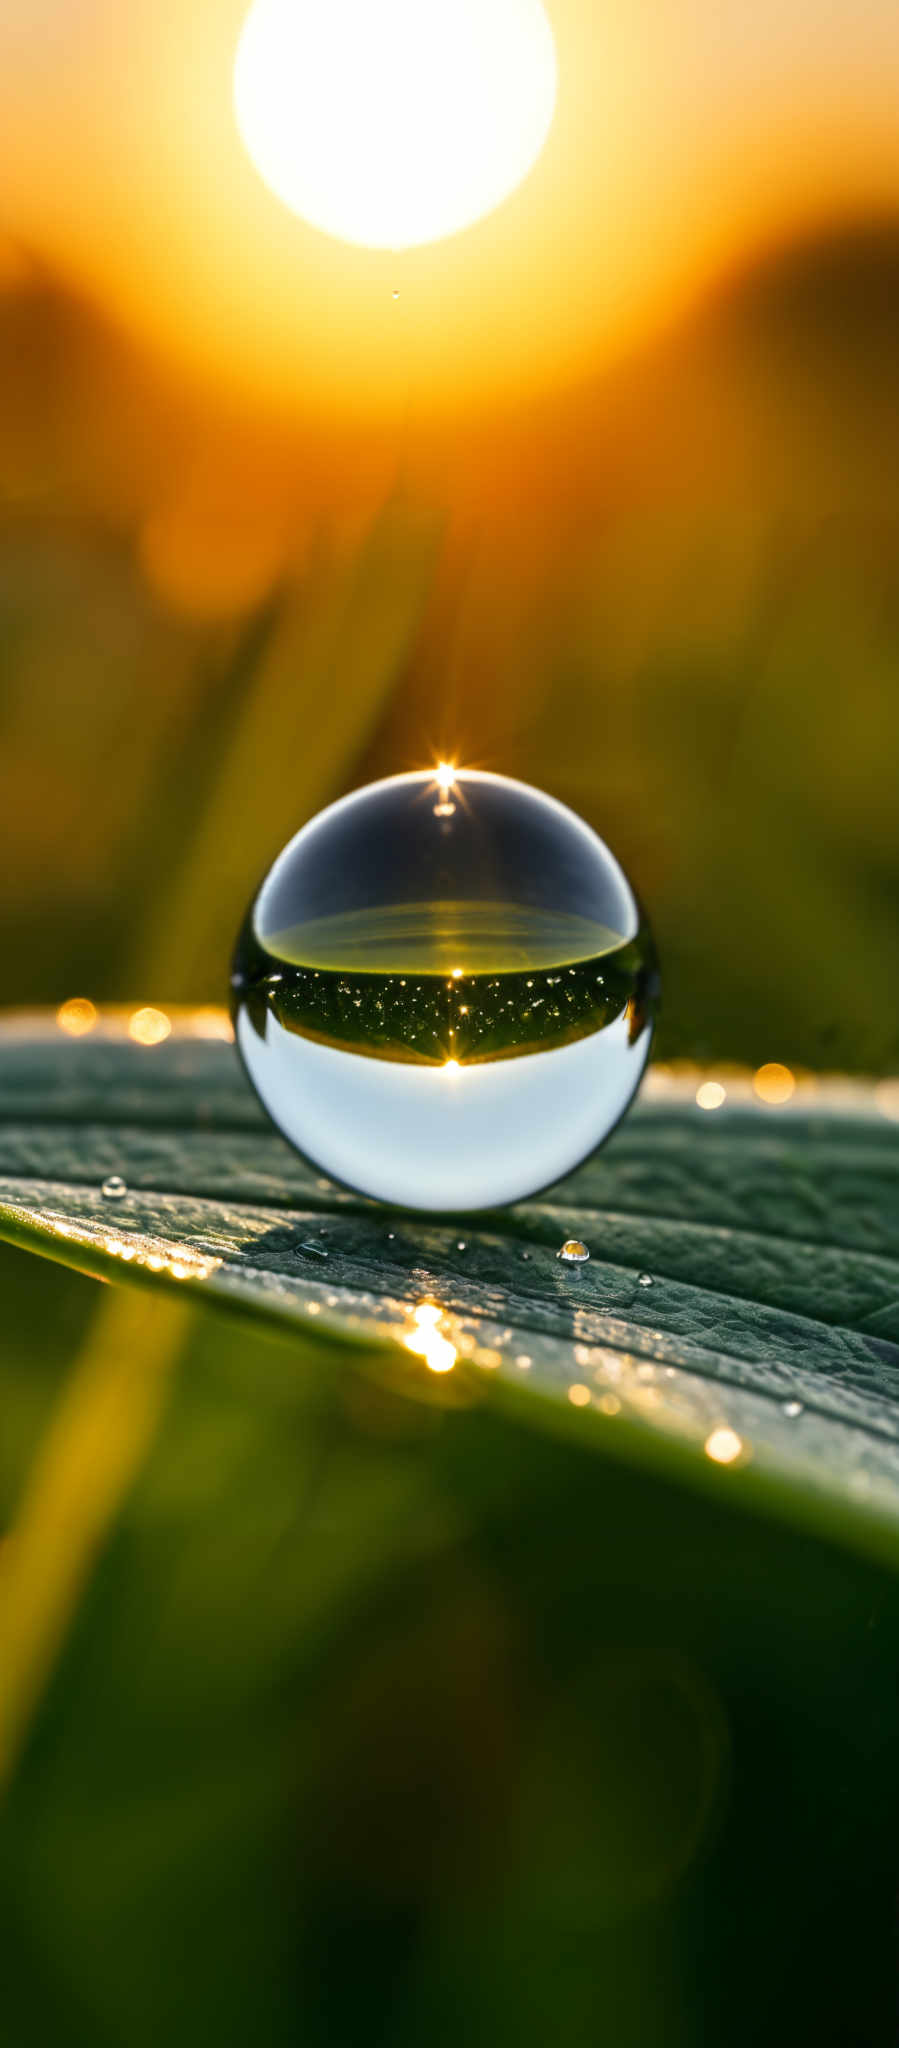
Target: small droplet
[(573, 1252), (391, 1235), (461, 1245), (645, 1280), (525, 1255), (317, 1250), (114, 1187), (792, 1408)]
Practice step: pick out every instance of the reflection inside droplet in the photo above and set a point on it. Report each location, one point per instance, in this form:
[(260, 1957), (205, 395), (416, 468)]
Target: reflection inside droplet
[(353, 961)]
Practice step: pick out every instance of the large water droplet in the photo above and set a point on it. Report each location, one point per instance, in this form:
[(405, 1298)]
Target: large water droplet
[(114, 1187), (407, 1047)]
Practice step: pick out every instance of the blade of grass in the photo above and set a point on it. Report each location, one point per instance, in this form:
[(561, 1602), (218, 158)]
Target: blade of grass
[(96, 1443)]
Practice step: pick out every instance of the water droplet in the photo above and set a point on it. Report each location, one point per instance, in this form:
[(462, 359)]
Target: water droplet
[(645, 1280), (461, 1245), (361, 1052), (391, 1234), (317, 1251), (573, 1252), (114, 1187), (792, 1408), (525, 1255)]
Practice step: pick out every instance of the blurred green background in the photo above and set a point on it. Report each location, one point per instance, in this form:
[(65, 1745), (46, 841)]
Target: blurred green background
[(367, 1721), (667, 594)]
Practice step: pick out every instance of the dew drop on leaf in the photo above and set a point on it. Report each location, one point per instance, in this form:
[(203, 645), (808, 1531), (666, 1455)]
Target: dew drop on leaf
[(573, 1252), (350, 965)]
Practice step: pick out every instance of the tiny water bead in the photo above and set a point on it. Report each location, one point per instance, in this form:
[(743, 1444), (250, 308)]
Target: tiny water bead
[(573, 1252), (444, 991), (114, 1187)]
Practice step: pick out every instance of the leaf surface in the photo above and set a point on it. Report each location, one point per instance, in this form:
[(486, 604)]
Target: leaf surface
[(744, 1268)]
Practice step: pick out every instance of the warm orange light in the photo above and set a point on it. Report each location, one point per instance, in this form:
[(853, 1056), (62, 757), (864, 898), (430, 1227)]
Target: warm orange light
[(394, 122), (438, 1353), (723, 1446), (148, 1026), (774, 1083), (426, 1314), (710, 1095), (76, 1016)]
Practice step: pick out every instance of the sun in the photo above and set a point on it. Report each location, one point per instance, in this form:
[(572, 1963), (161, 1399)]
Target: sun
[(394, 122)]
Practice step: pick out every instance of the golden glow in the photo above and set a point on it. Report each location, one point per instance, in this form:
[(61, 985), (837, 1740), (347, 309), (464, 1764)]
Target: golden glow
[(579, 1396), (886, 1095), (451, 1066), (774, 1083), (457, 973), (438, 1353), (710, 1095), (723, 1446), (76, 1016), (211, 1022), (426, 1314), (445, 776), (148, 1026), (661, 170), (394, 122)]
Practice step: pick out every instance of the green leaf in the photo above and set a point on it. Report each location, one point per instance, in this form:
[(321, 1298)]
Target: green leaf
[(744, 1268)]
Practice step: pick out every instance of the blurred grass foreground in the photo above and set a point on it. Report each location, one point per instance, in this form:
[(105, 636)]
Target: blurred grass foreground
[(329, 1714)]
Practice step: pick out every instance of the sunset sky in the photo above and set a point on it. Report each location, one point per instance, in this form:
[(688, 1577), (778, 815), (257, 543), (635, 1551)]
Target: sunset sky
[(684, 136)]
